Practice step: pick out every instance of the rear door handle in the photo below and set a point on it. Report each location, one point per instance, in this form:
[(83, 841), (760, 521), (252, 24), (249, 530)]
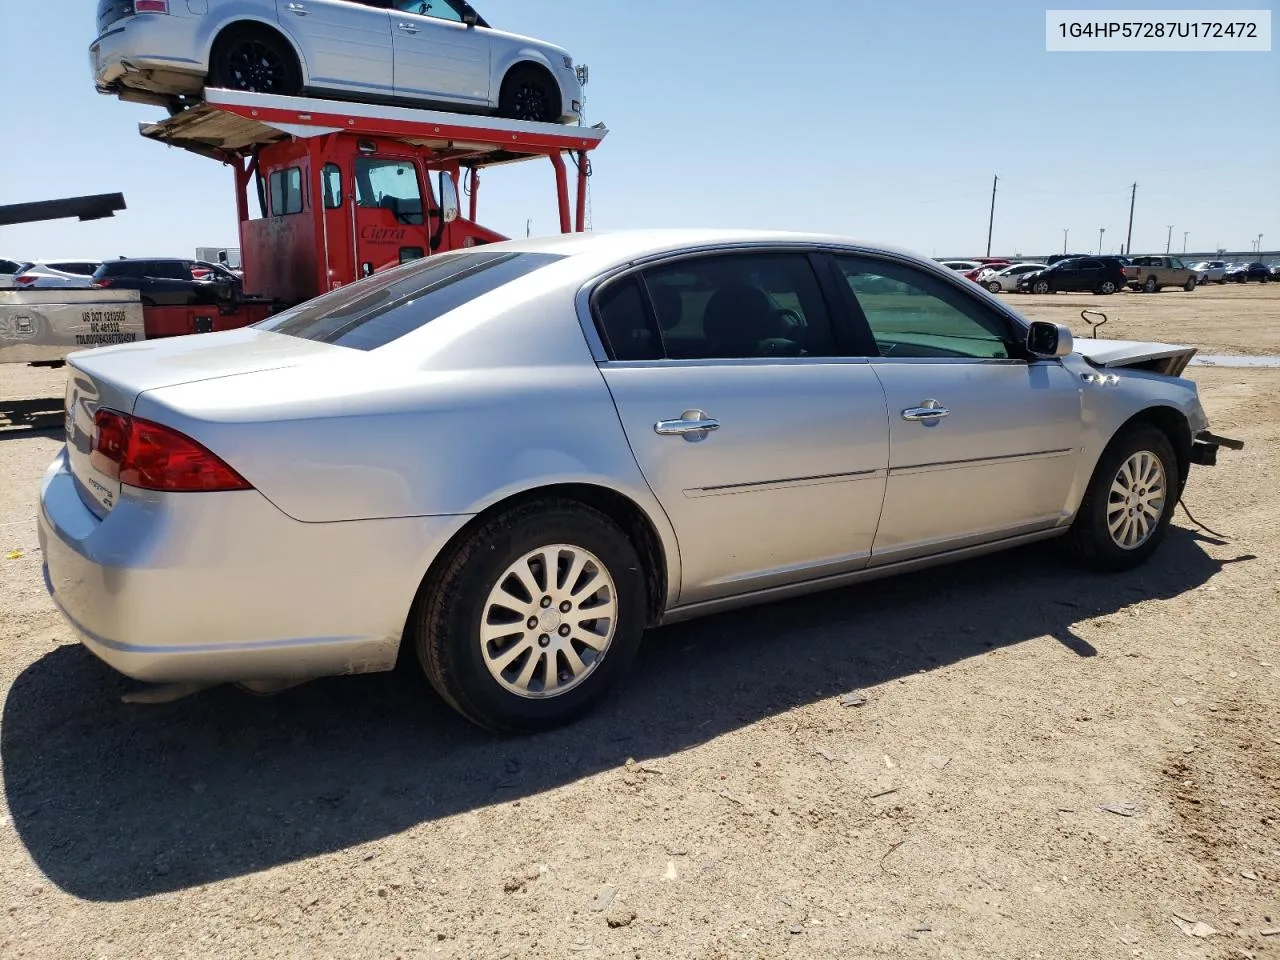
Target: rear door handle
[(407, 27), (692, 423), (930, 411), (298, 9)]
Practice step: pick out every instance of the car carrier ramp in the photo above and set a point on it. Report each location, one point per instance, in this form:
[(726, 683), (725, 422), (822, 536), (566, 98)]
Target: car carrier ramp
[(231, 123)]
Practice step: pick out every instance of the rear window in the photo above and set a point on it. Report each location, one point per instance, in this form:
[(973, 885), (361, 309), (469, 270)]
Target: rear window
[(75, 266), (372, 312)]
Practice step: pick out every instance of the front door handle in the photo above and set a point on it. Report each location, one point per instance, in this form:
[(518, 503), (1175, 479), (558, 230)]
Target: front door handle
[(297, 9), (930, 411), (693, 424), (407, 27)]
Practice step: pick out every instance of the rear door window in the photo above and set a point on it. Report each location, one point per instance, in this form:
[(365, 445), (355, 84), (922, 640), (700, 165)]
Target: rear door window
[(375, 311)]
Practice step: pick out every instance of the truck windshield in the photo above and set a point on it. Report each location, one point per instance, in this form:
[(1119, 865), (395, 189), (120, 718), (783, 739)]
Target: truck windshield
[(374, 311)]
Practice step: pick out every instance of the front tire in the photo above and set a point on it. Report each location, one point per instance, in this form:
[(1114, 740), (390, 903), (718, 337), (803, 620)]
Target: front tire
[(1190, 284), (1041, 287), (529, 94), (1129, 502), (531, 618), (255, 60)]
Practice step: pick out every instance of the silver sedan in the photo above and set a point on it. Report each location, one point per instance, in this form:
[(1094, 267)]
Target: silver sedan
[(517, 458)]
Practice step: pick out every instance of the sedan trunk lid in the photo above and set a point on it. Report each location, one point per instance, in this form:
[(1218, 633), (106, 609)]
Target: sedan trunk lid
[(114, 377)]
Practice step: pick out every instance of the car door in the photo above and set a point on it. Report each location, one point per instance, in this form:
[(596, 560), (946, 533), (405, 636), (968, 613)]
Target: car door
[(765, 443), (983, 443), (346, 44), (437, 56)]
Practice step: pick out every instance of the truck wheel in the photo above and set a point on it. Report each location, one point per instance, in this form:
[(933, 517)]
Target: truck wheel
[(1129, 502), (1150, 285), (1040, 286), (1190, 284), (528, 93), (532, 617), (255, 60)]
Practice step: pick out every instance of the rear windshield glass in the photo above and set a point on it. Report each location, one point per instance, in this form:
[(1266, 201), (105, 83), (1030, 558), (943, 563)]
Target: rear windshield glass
[(374, 311)]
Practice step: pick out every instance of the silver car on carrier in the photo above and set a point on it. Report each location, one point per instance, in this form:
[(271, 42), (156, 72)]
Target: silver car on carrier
[(517, 458), (423, 52)]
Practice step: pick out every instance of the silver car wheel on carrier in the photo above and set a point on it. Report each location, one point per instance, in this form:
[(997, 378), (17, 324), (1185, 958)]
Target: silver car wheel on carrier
[(548, 621), (1137, 500)]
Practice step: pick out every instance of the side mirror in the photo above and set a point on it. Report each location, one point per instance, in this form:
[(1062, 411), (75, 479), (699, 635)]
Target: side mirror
[(469, 16), (448, 198), (1046, 339)]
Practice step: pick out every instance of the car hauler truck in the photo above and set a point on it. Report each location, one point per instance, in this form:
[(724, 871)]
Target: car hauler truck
[(326, 192), (343, 190)]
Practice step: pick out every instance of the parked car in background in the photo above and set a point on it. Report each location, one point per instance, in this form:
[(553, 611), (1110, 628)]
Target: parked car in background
[(1103, 275), (1245, 272), (1210, 271), (295, 466), (170, 282), (1007, 278), (982, 268), (961, 266), (43, 274), (1275, 271), (439, 54), (1065, 256), (10, 269), (1151, 274)]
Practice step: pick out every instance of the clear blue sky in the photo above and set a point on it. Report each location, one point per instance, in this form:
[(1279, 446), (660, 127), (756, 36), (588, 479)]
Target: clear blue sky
[(881, 120)]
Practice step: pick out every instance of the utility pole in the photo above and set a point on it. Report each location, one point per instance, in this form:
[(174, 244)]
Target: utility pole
[(991, 221), (1184, 240), (1128, 240), (1101, 231), (528, 227), (1168, 241), (1259, 244), (1064, 240)]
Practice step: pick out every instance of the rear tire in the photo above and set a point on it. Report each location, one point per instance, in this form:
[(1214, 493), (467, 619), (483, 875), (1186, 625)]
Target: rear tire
[(1150, 286), (1129, 502), (528, 93), (256, 60), (994, 286), (496, 577), (1107, 288)]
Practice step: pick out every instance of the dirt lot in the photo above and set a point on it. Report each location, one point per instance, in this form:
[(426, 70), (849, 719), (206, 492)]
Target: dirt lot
[(1049, 763)]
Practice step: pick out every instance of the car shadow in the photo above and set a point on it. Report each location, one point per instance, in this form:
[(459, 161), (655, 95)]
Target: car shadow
[(117, 802), (25, 418)]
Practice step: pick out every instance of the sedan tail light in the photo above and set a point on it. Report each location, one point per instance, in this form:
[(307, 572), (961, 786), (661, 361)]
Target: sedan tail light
[(150, 6), (25, 281), (155, 457)]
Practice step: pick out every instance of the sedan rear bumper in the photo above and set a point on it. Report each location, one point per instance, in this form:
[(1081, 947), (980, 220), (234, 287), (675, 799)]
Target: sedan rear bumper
[(221, 587)]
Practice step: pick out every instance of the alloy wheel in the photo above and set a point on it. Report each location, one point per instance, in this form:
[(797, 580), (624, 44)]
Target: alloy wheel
[(256, 67), (548, 621), (1137, 500), (530, 102)]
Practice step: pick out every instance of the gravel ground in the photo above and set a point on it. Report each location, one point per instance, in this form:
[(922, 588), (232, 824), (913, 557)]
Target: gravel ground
[(1048, 763)]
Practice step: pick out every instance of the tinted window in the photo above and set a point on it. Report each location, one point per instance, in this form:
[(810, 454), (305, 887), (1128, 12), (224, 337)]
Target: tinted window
[(11, 266), (912, 314), (1088, 264), (331, 177), (740, 306), (286, 192), (75, 266), (623, 320), (428, 8), (390, 185), (372, 312)]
